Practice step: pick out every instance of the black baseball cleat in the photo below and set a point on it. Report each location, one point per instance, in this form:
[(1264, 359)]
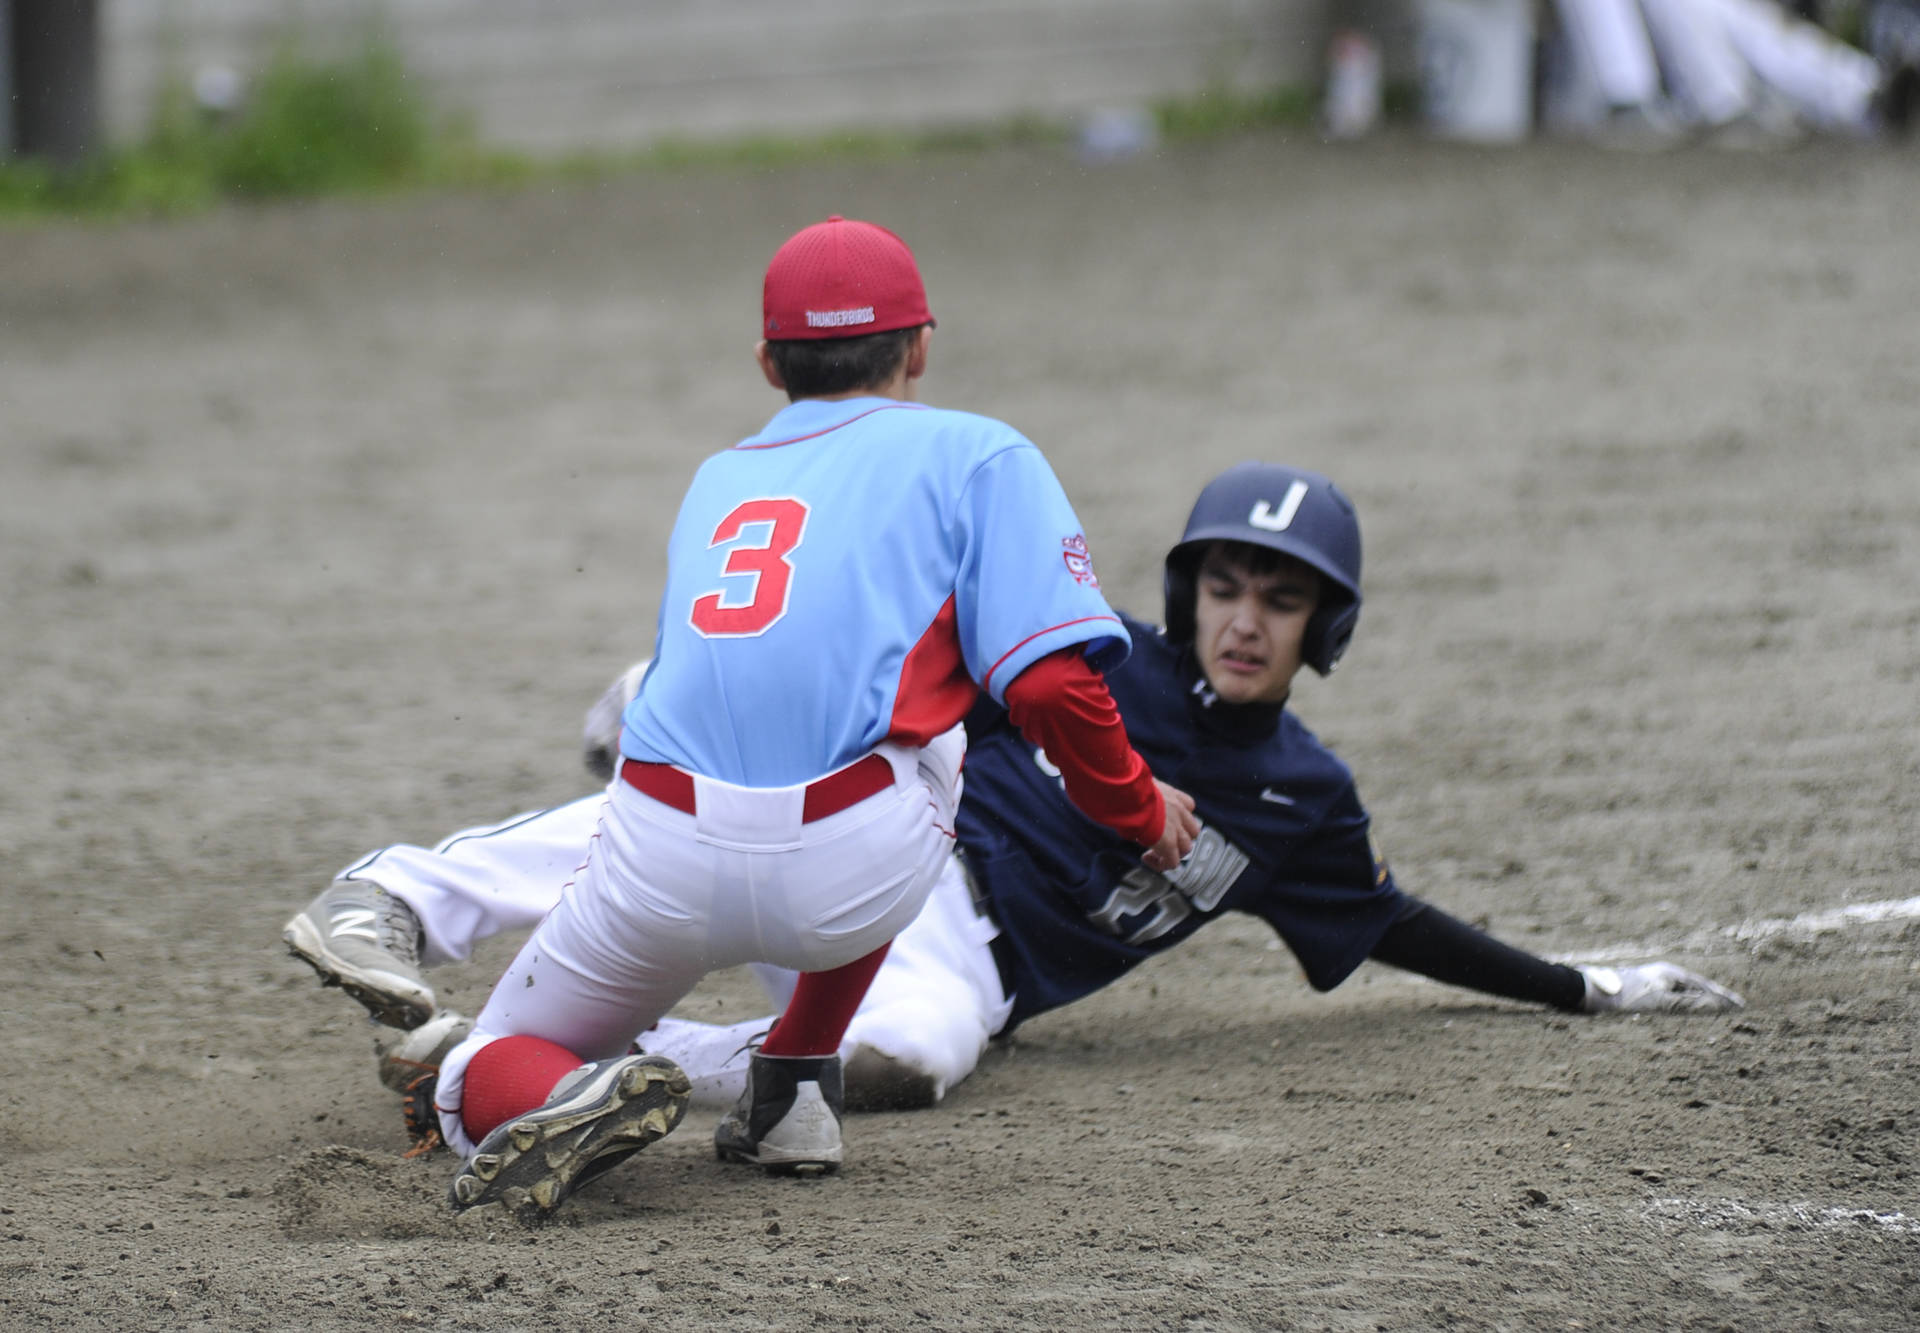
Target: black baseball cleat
[(596, 1118), (788, 1119)]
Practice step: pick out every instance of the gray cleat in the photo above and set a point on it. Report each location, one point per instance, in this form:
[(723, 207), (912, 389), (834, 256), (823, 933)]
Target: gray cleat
[(364, 940), (595, 1118)]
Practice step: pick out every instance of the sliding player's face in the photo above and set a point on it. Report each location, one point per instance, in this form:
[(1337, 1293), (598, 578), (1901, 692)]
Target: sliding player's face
[(1248, 627)]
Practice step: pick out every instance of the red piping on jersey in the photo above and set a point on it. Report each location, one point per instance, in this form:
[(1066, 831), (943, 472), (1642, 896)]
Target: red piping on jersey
[(935, 690), (884, 407), (987, 680)]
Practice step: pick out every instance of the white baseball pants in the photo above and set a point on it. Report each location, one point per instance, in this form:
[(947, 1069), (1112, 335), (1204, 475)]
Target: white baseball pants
[(486, 880), (664, 897), (934, 1005)]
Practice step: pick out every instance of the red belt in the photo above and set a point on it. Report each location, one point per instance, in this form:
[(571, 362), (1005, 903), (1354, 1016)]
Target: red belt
[(829, 796)]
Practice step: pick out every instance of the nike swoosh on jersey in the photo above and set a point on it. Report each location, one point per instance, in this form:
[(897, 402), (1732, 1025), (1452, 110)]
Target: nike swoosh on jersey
[(1269, 794)]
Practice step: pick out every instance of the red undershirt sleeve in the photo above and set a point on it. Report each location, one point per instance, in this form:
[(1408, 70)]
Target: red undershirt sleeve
[(1061, 704)]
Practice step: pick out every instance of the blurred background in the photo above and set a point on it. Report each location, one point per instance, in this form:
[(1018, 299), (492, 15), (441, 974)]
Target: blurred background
[(165, 101)]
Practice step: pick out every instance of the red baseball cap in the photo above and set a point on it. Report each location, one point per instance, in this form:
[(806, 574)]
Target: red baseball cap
[(841, 279)]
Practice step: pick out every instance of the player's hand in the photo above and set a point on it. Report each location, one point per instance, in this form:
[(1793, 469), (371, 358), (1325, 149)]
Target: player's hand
[(1654, 988), (600, 737), (1177, 835)]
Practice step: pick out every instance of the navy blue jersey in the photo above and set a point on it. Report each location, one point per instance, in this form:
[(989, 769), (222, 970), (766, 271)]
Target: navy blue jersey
[(1285, 838)]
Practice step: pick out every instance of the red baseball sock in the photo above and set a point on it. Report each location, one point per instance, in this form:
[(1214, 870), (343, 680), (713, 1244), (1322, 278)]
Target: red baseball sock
[(510, 1077), (822, 1006)]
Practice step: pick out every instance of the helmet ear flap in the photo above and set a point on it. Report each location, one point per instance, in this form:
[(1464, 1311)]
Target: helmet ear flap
[(1329, 631), (1177, 585)]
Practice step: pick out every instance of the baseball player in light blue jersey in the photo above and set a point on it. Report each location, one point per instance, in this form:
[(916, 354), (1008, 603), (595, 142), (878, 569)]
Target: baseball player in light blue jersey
[(841, 588), (930, 523), (1048, 906)]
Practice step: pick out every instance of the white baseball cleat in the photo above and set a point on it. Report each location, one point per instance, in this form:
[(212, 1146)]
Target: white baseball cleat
[(1654, 988), (406, 1056), (364, 940)]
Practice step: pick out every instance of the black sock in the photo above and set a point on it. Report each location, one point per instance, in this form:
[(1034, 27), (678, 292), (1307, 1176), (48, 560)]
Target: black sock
[(1428, 941)]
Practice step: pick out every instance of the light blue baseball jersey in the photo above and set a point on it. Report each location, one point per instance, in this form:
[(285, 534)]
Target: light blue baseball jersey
[(855, 573)]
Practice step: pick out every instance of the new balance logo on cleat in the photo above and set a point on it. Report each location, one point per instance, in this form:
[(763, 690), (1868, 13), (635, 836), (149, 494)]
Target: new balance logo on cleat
[(788, 1119), (364, 940), (355, 923)]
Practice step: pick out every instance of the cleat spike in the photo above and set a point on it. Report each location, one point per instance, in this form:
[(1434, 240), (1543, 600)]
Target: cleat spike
[(589, 1124)]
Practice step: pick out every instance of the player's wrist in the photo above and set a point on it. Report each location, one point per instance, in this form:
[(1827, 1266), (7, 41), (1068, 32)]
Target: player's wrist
[(1157, 818), (1148, 825)]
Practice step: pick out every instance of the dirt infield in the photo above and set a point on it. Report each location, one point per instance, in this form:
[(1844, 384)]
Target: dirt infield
[(323, 525)]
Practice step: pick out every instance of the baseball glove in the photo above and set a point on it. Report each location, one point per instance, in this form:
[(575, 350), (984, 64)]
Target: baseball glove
[(422, 1121)]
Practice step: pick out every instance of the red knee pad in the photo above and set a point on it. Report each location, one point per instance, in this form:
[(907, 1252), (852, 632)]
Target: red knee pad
[(510, 1077)]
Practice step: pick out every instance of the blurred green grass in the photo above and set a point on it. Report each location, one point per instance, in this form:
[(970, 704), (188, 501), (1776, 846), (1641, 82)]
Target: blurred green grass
[(361, 124), (306, 128)]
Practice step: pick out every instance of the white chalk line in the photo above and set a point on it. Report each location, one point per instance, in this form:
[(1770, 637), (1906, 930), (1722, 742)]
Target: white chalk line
[(1732, 1215), (1805, 926)]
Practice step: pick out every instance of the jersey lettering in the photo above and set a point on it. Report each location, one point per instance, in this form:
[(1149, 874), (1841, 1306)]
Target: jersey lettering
[(1201, 881), (1209, 870), (1139, 890), (1268, 519), (716, 617)]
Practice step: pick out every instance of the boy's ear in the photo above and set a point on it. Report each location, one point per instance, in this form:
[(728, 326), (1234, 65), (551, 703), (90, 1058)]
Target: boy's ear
[(917, 351), (767, 366)]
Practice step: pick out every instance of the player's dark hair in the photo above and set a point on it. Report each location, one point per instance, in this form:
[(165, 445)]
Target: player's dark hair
[(1247, 558), (813, 368)]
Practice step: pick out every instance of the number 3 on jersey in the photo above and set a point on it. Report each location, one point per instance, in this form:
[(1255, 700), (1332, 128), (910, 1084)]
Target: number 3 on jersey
[(766, 560)]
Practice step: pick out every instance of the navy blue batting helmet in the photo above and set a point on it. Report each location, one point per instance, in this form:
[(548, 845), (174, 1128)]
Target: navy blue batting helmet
[(1286, 509)]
